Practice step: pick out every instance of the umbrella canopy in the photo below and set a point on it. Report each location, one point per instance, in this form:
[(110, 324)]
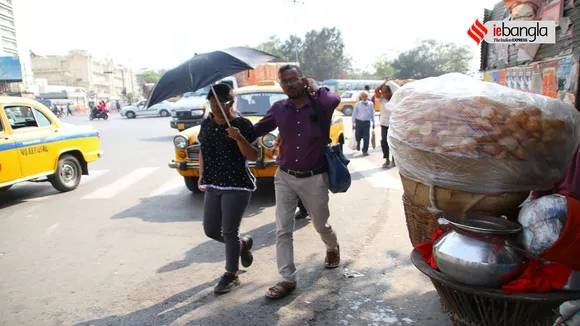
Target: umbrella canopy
[(205, 69)]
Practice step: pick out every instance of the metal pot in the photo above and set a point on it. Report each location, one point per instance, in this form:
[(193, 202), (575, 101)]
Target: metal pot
[(479, 251)]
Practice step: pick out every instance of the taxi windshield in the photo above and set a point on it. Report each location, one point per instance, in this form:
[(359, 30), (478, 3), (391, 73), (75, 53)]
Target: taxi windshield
[(257, 103)]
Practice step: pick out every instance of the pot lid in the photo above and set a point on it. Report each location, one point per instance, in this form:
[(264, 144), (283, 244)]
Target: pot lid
[(485, 225)]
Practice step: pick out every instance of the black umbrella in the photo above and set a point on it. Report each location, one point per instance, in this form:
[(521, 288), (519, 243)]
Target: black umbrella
[(205, 69)]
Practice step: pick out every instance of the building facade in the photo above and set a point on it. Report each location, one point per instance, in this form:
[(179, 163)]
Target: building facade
[(102, 78), (548, 69)]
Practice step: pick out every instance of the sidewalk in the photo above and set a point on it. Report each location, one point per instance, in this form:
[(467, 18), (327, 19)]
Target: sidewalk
[(381, 286)]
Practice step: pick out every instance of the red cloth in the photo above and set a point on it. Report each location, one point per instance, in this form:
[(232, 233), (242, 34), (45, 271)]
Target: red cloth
[(426, 248), (566, 250), (538, 277)]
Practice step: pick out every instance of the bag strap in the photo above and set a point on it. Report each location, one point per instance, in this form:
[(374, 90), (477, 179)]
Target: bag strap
[(320, 117)]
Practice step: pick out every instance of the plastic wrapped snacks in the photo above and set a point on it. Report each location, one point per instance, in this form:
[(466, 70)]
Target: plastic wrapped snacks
[(457, 132), (542, 222)]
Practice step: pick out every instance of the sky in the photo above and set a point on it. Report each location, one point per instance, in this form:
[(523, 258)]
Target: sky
[(162, 34)]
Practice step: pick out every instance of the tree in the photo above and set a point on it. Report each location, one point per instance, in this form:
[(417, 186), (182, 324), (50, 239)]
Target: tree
[(274, 46), (149, 76), (432, 58), (323, 54), (384, 68)]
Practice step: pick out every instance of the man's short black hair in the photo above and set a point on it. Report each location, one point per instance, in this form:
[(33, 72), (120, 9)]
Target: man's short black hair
[(290, 67)]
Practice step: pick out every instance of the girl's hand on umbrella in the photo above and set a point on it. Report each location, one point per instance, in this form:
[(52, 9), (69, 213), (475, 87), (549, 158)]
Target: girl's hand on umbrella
[(234, 133)]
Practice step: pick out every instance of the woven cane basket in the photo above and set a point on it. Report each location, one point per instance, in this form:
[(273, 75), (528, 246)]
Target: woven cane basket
[(472, 306), (422, 202)]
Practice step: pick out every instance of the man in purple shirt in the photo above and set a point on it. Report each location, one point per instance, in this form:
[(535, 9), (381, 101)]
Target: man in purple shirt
[(303, 172)]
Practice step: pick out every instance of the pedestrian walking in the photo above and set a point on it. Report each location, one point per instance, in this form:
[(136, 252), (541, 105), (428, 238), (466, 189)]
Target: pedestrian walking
[(68, 110), (227, 181), (301, 212), (363, 116), (384, 92), (302, 173)]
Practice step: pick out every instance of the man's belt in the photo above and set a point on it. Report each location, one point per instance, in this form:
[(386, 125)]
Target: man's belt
[(303, 174)]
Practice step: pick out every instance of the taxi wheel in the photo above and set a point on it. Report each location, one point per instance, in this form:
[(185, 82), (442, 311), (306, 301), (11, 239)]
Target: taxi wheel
[(164, 113), (191, 184), (68, 174), (130, 115), (5, 188)]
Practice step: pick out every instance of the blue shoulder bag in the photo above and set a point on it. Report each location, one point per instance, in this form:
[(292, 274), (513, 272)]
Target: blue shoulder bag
[(338, 174)]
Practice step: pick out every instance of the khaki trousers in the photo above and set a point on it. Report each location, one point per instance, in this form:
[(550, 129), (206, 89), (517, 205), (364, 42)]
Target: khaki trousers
[(313, 192)]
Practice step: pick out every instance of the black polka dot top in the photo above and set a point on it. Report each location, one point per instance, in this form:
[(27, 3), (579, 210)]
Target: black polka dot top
[(224, 165)]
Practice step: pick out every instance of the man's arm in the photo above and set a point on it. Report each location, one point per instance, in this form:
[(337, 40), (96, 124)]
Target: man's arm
[(267, 123), (372, 108), (327, 99), (354, 113)]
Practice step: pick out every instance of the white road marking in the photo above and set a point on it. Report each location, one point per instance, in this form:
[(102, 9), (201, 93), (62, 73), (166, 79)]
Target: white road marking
[(121, 184), (375, 175), (93, 174), (50, 229), (172, 187)]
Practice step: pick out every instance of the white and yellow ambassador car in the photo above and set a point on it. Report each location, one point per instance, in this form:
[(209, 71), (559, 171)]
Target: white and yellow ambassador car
[(36, 146), (252, 102)]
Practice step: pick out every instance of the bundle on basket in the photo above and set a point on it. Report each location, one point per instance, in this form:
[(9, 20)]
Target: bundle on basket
[(466, 145)]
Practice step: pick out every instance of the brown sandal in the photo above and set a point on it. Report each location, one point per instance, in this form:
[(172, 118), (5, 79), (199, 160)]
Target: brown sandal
[(280, 290)]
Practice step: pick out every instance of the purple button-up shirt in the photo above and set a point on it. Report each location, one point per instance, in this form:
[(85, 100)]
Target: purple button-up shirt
[(302, 138)]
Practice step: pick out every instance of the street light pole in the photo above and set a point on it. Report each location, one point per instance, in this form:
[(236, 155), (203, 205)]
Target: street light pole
[(295, 2)]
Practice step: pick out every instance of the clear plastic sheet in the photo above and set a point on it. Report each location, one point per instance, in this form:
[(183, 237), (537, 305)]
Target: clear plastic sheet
[(457, 132), (542, 221)]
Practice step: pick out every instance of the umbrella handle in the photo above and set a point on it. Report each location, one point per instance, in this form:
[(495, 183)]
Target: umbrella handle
[(221, 107)]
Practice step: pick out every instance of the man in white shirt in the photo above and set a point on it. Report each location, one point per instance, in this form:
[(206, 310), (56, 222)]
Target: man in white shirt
[(384, 93), (362, 117)]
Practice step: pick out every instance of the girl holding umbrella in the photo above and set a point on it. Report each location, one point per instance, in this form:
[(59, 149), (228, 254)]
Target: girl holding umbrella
[(228, 183)]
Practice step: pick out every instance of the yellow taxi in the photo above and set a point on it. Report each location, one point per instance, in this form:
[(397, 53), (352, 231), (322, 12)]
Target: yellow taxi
[(252, 102), (36, 146), (347, 101)]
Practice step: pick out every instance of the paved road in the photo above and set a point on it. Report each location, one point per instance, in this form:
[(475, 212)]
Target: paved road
[(127, 248)]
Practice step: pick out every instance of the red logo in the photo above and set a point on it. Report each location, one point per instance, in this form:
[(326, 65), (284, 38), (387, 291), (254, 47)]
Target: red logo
[(477, 31)]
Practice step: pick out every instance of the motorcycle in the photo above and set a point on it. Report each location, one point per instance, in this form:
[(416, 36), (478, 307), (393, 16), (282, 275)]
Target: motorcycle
[(96, 114)]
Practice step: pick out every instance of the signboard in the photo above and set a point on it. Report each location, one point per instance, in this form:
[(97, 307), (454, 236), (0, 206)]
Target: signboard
[(553, 10), (10, 70), (555, 78)]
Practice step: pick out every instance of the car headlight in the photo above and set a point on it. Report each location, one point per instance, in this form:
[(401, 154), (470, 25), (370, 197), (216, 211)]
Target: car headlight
[(173, 114), (180, 142), (269, 140), (197, 112)]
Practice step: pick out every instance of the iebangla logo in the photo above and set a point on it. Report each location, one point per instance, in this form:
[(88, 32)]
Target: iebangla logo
[(477, 31), (514, 32)]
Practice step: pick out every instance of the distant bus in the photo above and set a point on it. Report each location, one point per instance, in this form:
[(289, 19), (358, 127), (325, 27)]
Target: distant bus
[(339, 86)]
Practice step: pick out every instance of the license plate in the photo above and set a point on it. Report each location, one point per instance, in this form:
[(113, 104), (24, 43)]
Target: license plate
[(180, 126)]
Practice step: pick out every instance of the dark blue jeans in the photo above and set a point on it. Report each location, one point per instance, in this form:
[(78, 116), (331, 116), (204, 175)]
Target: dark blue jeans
[(363, 132), (222, 215)]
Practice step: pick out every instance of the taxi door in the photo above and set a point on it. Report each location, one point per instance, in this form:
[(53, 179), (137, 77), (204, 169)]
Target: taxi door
[(9, 161), (34, 136)]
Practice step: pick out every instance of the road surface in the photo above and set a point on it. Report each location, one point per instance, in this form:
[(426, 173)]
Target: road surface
[(127, 248)]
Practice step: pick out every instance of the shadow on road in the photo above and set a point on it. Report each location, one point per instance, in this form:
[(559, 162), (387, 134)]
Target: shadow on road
[(163, 209), (324, 297), (212, 251), (20, 193)]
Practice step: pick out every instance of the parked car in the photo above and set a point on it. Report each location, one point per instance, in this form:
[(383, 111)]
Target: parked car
[(138, 109), (190, 110), (347, 101), (36, 146), (252, 102)]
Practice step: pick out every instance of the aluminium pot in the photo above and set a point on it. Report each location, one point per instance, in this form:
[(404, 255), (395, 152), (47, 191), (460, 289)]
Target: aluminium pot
[(479, 251)]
